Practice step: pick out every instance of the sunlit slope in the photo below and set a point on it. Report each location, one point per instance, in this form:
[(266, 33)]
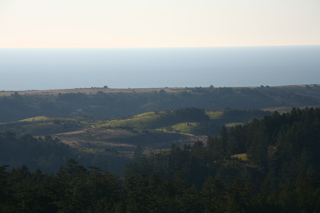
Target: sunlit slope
[(141, 121), (158, 119), (48, 118), (183, 121), (187, 120), (45, 125)]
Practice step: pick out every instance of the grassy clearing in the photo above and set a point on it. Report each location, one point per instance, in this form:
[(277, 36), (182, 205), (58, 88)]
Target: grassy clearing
[(150, 121), (35, 119), (185, 128), (141, 121), (214, 114), (47, 118), (233, 124), (243, 157)]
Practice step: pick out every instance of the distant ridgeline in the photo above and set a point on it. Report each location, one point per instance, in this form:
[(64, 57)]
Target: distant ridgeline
[(268, 165), (109, 104)]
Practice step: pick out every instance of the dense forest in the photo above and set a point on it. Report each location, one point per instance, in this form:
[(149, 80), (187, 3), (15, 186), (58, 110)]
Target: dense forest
[(278, 147), (268, 165), (77, 189)]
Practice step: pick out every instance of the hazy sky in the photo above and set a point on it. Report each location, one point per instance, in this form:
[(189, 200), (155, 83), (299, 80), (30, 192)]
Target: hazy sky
[(158, 23)]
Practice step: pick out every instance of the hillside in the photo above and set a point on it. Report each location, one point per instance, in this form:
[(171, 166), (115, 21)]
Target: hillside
[(103, 103), (152, 130), (173, 148), (267, 165), (107, 125)]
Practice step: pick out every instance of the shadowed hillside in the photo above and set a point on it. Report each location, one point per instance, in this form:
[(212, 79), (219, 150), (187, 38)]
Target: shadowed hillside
[(109, 103)]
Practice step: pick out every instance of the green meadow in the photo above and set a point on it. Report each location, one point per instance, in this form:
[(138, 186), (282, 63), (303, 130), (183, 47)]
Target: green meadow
[(163, 121)]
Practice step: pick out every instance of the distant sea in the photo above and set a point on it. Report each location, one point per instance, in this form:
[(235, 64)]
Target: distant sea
[(41, 69)]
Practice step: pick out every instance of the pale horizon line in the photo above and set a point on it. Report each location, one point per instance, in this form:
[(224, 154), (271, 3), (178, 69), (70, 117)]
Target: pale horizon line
[(175, 47)]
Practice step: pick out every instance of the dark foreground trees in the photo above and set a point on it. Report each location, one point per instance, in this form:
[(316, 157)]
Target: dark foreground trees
[(73, 189), (77, 189)]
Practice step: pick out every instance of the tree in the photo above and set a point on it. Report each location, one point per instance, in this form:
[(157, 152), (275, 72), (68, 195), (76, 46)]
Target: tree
[(214, 194)]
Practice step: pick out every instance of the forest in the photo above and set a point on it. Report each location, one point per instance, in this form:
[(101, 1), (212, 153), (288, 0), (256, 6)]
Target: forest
[(162, 150), (280, 173)]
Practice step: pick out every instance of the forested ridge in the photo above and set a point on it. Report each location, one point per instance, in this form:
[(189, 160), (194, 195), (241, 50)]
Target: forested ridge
[(107, 104), (268, 165), (277, 147)]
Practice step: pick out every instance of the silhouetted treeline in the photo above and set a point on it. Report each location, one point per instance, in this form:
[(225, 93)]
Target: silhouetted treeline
[(77, 189), (112, 105)]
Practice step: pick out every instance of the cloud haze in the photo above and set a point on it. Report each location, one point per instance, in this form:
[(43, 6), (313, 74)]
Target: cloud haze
[(146, 23)]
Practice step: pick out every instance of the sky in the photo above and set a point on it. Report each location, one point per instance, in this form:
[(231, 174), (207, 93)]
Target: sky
[(158, 23)]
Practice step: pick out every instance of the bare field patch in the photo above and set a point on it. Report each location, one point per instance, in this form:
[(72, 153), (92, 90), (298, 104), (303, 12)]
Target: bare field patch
[(122, 142)]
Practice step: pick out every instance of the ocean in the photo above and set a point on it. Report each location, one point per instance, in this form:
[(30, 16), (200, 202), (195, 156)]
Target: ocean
[(42, 69)]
